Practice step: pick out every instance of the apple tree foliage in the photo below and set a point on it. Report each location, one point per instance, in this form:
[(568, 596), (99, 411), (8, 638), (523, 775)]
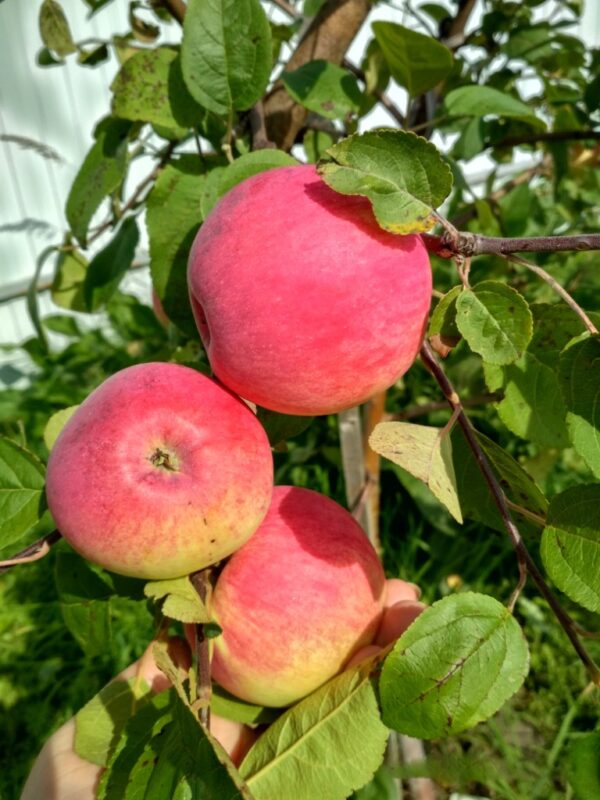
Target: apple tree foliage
[(212, 92)]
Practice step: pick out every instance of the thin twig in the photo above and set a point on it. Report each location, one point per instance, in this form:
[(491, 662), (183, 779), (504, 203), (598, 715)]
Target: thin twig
[(427, 408), (33, 552), (570, 301), (201, 583), (383, 98), (526, 563), (135, 199), (547, 136), (537, 519)]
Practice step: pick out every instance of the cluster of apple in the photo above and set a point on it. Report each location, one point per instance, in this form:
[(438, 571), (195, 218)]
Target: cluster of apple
[(305, 306)]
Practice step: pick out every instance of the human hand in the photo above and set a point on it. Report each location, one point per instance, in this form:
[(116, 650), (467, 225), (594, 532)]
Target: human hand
[(58, 773)]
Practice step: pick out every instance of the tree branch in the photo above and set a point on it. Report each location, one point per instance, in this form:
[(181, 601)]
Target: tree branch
[(547, 136), (33, 552), (256, 117), (176, 9), (201, 583), (472, 244), (328, 37), (526, 563)]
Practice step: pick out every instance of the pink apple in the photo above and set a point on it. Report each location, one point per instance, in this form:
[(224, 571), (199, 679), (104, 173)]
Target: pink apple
[(304, 304), (296, 601), (159, 473)]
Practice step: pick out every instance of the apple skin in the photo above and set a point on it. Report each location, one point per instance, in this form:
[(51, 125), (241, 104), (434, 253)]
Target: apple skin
[(160, 472), (304, 304), (296, 601)]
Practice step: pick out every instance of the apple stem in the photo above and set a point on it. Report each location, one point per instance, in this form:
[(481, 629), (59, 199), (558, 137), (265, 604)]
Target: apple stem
[(201, 583)]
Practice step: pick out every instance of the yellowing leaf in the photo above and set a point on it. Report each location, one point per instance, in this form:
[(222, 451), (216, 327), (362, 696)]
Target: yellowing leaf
[(424, 452)]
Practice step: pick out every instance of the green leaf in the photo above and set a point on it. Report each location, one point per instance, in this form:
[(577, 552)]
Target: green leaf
[(230, 707), (252, 164), (85, 603), (483, 101), (417, 62), (583, 768), (280, 427), (101, 173), (67, 286), (55, 425), (211, 190), (134, 747), (173, 215), (458, 662), (44, 58), (181, 600), (443, 318), (579, 375), (476, 501), (226, 53), (402, 174), (554, 327), (93, 56), (532, 406), (107, 268), (571, 544), (21, 491), (54, 28), (158, 759), (324, 88), (296, 757), (63, 324), (424, 452), (495, 320), (150, 88), (315, 144), (99, 724)]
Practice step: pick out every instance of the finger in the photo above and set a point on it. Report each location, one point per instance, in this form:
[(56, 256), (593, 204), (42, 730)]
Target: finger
[(59, 773), (235, 737), (396, 619), (365, 652), (398, 590)]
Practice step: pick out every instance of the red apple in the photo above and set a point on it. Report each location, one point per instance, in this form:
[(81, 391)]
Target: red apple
[(159, 473), (304, 304), (296, 601)]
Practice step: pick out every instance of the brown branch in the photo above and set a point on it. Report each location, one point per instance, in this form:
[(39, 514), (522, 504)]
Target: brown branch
[(176, 9), (547, 136), (472, 244), (526, 563), (33, 552), (452, 32), (328, 37), (570, 301), (201, 583), (256, 117)]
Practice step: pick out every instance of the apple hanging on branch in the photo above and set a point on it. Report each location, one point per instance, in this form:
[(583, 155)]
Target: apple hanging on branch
[(160, 472), (305, 305)]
